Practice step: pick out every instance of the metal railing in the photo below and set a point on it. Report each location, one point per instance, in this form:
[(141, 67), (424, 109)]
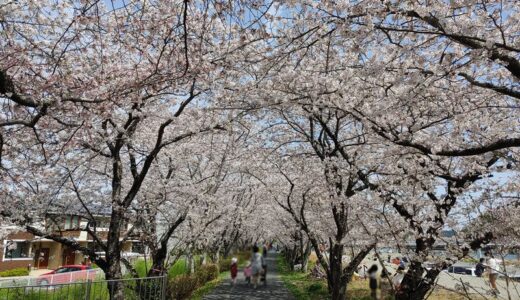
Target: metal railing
[(149, 288), (51, 279)]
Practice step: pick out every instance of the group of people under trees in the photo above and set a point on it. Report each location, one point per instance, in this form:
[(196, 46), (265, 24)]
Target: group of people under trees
[(488, 264), (491, 265), (255, 270), (375, 272)]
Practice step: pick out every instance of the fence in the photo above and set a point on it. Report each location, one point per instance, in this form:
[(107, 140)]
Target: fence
[(150, 288), (52, 279)]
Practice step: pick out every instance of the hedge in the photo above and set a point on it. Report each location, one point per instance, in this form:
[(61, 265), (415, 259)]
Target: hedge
[(15, 272), (182, 286)]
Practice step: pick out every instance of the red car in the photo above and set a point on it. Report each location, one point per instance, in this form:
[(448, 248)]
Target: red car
[(67, 274)]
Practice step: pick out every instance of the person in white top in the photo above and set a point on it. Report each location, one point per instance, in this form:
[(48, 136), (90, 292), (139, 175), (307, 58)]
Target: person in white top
[(493, 268)]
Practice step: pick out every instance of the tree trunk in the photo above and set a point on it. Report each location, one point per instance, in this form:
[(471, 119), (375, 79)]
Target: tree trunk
[(215, 257), (158, 260), (291, 256), (336, 284), (225, 252), (191, 263), (305, 257), (414, 286), (113, 255), (160, 253)]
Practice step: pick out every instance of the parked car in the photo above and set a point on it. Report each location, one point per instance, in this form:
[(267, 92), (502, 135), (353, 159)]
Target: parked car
[(463, 270), (67, 274), (513, 275)]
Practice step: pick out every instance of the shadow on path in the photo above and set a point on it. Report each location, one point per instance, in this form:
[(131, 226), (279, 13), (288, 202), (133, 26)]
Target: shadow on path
[(274, 289)]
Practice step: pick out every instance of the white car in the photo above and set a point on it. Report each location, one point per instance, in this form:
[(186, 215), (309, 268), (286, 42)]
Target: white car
[(463, 270)]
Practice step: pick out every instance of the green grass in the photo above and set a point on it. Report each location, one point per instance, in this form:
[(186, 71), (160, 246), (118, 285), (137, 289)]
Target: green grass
[(99, 291), (142, 267), (304, 287), (77, 290), (179, 268), (359, 290), (300, 284), (15, 272)]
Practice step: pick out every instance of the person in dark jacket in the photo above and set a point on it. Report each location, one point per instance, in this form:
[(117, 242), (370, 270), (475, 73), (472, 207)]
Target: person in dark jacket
[(480, 268), (373, 276)]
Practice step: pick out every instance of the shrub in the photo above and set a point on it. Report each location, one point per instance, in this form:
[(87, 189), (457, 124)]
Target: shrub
[(207, 273), (213, 271), (142, 267), (179, 268), (315, 287), (200, 276), (224, 264), (182, 286), (15, 272)]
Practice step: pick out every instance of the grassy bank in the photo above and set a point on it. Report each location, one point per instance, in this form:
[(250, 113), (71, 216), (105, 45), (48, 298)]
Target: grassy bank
[(179, 268), (300, 284), (304, 287)]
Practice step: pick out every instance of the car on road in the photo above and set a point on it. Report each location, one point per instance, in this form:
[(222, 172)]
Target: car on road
[(463, 270), (511, 274), (67, 274)]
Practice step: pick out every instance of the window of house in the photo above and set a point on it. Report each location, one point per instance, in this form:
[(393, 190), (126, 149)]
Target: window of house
[(53, 223), (14, 250), (71, 222), (138, 248), (95, 246), (102, 222)]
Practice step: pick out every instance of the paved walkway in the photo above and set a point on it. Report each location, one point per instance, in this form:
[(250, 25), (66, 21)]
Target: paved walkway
[(274, 289)]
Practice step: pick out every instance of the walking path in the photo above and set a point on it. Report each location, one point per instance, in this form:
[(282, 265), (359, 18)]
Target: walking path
[(274, 289)]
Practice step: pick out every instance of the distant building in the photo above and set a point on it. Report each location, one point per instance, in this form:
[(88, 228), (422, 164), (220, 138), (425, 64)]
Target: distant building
[(24, 250)]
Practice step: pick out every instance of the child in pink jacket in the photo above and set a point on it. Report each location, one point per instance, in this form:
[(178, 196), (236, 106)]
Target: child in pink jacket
[(248, 272)]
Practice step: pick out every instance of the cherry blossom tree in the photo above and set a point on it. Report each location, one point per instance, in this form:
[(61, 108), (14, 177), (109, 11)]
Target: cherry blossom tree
[(383, 121), (413, 75), (325, 183), (121, 80)]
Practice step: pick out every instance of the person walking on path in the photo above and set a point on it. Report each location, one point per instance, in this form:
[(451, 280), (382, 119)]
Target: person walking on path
[(234, 270), (264, 264), (257, 262), (494, 268), (276, 291), (373, 276), (248, 271)]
